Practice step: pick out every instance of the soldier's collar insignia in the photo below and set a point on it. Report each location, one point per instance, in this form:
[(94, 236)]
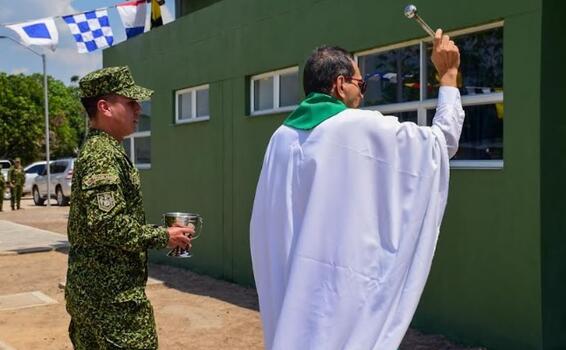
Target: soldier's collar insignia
[(106, 201)]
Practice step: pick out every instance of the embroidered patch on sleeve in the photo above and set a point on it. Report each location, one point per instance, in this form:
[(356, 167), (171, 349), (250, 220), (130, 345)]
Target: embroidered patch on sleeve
[(100, 179), (106, 201)]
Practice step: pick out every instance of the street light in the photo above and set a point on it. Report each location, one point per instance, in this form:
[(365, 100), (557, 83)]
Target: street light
[(46, 111)]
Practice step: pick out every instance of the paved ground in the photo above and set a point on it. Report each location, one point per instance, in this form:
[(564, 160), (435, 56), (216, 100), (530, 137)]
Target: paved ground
[(191, 311), (21, 239)]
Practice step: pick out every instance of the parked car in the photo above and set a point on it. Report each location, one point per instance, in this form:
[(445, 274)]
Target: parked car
[(32, 171), (4, 167), (60, 185)]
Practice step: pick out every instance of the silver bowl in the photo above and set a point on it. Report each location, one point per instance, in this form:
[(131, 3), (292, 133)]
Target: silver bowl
[(183, 219)]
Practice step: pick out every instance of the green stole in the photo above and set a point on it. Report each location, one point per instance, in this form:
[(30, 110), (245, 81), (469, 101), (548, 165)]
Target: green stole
[(313, 110)]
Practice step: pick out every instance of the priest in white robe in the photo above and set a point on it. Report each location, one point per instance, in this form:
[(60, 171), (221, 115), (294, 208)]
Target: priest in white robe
[(348, 209)]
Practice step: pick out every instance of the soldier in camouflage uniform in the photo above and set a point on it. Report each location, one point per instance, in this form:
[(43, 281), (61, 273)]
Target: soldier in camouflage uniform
[(16, 180), (109, 237), (2, 189)]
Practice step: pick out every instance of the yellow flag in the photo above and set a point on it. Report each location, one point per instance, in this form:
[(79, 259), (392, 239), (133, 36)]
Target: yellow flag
[(156, 19)]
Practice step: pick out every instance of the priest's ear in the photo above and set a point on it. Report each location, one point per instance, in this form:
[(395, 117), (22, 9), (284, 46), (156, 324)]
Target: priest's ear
[(338, 88)]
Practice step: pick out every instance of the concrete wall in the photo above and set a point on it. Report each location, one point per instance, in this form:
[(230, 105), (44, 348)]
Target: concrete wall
[(485, 284)]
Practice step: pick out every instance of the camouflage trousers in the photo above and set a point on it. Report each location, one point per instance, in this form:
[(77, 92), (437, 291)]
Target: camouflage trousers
[(129, 325), (2, 189), (15, 196)]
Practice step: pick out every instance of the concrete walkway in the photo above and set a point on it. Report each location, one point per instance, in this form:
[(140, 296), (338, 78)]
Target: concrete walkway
[(20, 239)]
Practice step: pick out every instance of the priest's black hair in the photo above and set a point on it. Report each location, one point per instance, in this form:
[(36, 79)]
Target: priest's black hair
[(323, 66)]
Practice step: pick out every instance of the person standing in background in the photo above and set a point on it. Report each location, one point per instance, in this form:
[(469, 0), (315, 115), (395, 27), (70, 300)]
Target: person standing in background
[(16, 180)]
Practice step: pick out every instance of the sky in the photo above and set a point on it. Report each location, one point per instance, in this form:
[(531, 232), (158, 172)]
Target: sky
[(65, 61)]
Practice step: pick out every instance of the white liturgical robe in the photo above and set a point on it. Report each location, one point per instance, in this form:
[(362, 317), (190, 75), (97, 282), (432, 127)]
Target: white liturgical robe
[(344, 226)]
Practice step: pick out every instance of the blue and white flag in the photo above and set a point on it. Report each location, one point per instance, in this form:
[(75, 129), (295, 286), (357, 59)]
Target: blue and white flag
[(91, 30), (39, 32), (133, 15)]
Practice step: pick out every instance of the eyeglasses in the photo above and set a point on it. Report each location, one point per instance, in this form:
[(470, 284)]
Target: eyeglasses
[(362, 84)]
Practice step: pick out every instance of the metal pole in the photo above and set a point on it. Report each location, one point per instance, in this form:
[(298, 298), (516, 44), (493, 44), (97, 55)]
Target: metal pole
[(46, 105)]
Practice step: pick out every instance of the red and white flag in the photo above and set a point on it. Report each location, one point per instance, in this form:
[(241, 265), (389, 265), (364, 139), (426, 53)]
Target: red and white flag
[(132, 14)]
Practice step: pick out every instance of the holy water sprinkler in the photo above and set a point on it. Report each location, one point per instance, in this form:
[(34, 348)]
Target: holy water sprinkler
[(411, 13)]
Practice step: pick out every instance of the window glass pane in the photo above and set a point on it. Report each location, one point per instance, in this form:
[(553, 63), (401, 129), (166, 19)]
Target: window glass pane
[(202, 103), (392, 76), (185, 106), (263, 94), (144, 123), (482, 133), (289, 89), (126, 143), (406, 116), (58, 167), (36, 169), (481, 68), (142, 150)]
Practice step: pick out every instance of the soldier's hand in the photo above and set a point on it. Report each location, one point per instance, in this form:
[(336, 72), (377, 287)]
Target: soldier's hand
[(446, 59), (179, 236)]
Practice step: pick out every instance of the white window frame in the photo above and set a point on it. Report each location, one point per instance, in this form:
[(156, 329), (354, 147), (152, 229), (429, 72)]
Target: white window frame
[(193, 91), (132, 150), (422, 105), (276, 75)]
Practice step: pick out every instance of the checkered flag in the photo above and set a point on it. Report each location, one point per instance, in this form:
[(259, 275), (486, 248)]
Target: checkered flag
[(91, 30)]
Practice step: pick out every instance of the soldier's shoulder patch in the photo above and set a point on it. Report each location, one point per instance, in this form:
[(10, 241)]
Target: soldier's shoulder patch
[(106, 201), (100, 179)]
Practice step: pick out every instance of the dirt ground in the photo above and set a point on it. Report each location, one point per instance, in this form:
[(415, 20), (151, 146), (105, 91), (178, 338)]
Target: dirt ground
[(192, 311)]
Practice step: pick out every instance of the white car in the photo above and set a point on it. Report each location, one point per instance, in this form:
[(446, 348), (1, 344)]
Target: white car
[(4, 167), (32, 171), (61, 171)]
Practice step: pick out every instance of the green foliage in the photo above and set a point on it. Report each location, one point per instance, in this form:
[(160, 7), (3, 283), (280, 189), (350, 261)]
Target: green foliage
[(22, 121)]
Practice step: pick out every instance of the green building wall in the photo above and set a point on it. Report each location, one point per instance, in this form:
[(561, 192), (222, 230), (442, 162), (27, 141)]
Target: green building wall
[(493, 282)]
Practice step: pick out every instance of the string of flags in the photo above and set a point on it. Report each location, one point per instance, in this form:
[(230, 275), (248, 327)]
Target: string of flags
[(91, 29)]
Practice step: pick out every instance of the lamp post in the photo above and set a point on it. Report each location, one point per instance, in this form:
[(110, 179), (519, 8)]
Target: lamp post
[(46, 112)]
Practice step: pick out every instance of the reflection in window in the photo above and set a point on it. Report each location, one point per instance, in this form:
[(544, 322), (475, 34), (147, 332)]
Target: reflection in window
[(394, 87), (263, 94), (202, 103), (142, 150), (289, 89), (192, 104), (185, 108), (392, 76), (482, 132), (274, 91), (481, 63)]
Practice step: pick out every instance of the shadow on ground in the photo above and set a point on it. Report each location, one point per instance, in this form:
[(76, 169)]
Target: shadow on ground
[(190, 282)]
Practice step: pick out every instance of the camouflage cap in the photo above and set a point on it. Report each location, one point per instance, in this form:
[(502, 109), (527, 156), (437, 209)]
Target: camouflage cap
[(112, 80)]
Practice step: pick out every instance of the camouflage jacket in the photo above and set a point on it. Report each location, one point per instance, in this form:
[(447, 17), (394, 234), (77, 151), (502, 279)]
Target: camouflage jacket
[(16, 176), (2, 184), (107, 231)]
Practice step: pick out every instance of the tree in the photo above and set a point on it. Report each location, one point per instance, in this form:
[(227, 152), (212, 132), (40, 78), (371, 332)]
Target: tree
[(22, 122)]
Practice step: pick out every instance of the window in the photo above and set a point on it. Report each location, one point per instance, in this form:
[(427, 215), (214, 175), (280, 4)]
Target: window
[(5, 165), (138, 144), (276, 91), (402, 81), (192, 104), (58, 167), (36, 169)]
